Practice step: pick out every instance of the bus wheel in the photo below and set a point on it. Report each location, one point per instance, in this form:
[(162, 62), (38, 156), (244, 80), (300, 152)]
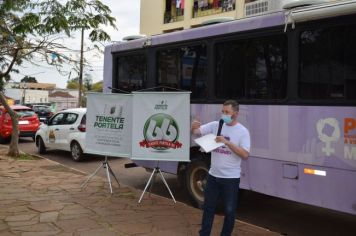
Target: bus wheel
[(197, 174)]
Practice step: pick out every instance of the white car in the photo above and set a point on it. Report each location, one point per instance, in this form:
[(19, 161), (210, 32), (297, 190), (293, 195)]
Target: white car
[(64, 131)]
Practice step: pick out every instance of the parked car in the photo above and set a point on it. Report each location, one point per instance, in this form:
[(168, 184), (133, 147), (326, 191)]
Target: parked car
[(65, 130), (43, 112), (27, 120)]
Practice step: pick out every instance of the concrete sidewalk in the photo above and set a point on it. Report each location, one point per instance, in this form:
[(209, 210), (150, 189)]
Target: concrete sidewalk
[(41, 197)]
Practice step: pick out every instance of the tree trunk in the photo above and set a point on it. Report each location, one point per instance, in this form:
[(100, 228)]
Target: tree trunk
[(13, 148)]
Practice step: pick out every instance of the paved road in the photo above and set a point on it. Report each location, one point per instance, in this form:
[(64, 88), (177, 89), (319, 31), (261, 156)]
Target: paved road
[(285, 217)]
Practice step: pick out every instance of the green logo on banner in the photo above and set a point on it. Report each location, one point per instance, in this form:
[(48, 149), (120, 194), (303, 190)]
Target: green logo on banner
[(161, 132)]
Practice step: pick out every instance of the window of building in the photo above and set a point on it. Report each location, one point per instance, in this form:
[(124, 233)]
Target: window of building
[(174, 11), (327, 68), (131, 72), (252, 68), (184, 68), (210, 7)]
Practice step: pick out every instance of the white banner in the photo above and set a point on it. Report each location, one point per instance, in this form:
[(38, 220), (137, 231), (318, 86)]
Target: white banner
[(161, 129), (109, 123)]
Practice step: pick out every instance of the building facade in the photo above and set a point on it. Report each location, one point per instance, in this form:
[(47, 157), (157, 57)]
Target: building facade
[(42, 93), (29, 93), (164, 16), (62, 99)]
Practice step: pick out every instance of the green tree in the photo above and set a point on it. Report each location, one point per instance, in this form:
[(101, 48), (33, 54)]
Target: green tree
[(73, 83), (31, 29), (88, 82), (97, 87), (28, 79), (87, 86)]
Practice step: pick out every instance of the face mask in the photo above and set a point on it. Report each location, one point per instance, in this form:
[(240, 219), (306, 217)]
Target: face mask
[(227, 118)]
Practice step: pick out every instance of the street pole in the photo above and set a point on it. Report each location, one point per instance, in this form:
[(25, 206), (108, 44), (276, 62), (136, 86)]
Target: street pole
[(24, 93), (81, 70)]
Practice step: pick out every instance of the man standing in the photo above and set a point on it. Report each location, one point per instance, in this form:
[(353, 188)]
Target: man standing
[(224, 174)]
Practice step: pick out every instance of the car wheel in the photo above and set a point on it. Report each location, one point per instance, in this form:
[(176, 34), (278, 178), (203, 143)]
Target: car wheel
[(2, 140), (197, 174), (41, 148), (76, 151), (34, 138), (5, 140)]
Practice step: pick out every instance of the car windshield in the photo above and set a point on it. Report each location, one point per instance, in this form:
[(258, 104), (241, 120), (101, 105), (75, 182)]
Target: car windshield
[(43, 108), (24, 112)]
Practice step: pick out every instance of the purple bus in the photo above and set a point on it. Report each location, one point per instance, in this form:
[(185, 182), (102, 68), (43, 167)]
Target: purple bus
[(296, 85)]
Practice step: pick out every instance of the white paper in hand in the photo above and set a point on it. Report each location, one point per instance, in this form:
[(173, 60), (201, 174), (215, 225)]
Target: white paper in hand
[(208, 143)]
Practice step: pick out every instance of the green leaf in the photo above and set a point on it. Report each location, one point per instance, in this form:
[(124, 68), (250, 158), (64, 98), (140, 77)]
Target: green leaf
[(28, 28)]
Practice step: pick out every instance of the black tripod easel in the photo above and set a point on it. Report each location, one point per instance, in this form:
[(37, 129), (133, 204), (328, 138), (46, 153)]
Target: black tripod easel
[(106, 166), (156, 171)]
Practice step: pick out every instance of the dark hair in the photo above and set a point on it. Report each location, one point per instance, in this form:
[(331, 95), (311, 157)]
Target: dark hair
[(234, 104)]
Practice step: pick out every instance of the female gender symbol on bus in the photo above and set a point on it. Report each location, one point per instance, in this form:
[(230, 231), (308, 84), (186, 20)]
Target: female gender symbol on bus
[(328, 150)]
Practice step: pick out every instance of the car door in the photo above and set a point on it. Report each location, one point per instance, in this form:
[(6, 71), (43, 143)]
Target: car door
[(67, 129), (53, 137)]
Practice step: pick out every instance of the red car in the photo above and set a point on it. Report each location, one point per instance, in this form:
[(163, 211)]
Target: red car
[(28, 122)]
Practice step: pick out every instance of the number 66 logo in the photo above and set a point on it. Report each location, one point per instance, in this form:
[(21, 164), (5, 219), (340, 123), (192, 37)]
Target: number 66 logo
[(161, 132)]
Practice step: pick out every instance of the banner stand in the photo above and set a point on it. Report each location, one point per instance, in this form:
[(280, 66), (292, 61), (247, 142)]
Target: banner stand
[(105, 165), (156, 171)]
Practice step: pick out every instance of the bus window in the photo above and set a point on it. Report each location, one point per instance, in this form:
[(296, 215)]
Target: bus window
[(327, 68), (252, 68), (131, 72), (184, 68)]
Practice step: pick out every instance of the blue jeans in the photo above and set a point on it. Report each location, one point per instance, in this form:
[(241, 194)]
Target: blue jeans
[(228, 189)]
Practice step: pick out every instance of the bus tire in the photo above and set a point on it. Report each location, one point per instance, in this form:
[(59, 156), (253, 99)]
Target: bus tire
[(197, 174), (182, 176)]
